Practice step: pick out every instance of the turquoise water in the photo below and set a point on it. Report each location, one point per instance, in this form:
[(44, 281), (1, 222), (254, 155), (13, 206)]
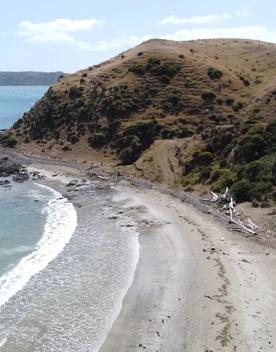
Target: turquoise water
[(22, 221), (65, 294), (15, 100)]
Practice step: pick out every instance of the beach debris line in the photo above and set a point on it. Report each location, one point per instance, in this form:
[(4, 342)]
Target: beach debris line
[(226, 205)]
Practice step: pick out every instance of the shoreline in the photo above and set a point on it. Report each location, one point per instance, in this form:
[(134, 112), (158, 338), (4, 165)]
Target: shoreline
[(15, 279), (219, 309), (197, 285)]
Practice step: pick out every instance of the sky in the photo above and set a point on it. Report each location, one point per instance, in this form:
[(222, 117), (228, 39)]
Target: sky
[(68, 35)]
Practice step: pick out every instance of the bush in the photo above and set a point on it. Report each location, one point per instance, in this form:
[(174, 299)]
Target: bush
[(205, 173), (132, 153), (8, 141), (145, 131), (208, 96), (213, 73), (229, 101), (165, 79), (74, 93), (255, 170), (241, 191), (138, 69), (237, 107), (135, 139), (259, 189), (250, 147), (244, 81), (225, 179), (202, 158), (97, 140), (153, 61)]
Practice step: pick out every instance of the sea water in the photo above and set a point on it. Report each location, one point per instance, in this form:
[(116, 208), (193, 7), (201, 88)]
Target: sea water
[(15, 100), (64, 275)]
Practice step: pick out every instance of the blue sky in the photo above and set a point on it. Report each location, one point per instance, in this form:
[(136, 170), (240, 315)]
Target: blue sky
[(69, 35)]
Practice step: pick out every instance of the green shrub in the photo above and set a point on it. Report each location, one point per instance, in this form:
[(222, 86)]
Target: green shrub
[(250, 147), (229, 101), (213, 73), (97, 140), (241, 191), (165, 79), (205, 173), (132, 153), (138, 69), (208, 96), (255, 170), (225, 179), (244, 81), (202, 158), (154, 61), (145, 131), (259, 189), (238, 106), (74, 92), (8, 141)]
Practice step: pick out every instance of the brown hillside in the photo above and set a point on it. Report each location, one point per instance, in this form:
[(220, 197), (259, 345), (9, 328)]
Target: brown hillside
[(214, 100)]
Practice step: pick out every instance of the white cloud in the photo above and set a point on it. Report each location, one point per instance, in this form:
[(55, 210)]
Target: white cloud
[(243, 12), (119, 41), (245, 32), (208, 19), (57, 31)]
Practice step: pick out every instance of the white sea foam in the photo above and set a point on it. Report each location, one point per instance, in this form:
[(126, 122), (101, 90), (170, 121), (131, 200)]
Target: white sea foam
[(61, 221), (3, 342)]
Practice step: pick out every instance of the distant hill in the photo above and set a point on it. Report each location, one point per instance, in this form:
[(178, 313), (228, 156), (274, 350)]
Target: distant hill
[(195, 114), (29, 78)]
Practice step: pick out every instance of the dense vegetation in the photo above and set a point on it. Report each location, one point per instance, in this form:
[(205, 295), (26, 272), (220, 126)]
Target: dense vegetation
[(168, 94)]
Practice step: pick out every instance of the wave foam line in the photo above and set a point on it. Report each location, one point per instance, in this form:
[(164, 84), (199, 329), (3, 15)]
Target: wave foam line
[(61, 222)]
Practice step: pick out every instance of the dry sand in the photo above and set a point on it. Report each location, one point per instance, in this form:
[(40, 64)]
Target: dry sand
[(197, 287)]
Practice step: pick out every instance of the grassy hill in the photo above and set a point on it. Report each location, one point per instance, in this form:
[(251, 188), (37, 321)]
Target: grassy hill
[(28, 78), (191, 114)]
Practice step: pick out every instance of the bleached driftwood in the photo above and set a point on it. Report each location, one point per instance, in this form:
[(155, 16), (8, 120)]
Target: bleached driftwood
[(230, 212)]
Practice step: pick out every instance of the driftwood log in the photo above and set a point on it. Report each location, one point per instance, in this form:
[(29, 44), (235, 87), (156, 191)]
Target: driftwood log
[(226, 205)]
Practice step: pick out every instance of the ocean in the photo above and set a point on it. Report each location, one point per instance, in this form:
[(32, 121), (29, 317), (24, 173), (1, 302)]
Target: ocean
[(15, 100), (63, 276)]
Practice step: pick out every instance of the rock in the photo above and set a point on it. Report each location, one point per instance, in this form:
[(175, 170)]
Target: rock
[(113, 217), (20, 177), (4, 182), (72, 183)]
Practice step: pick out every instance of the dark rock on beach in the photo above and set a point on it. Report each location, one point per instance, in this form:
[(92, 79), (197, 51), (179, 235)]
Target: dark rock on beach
[(21, 177), (10, 165)]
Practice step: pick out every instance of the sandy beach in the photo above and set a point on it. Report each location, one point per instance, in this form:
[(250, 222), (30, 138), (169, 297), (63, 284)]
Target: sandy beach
[(197, 285)]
